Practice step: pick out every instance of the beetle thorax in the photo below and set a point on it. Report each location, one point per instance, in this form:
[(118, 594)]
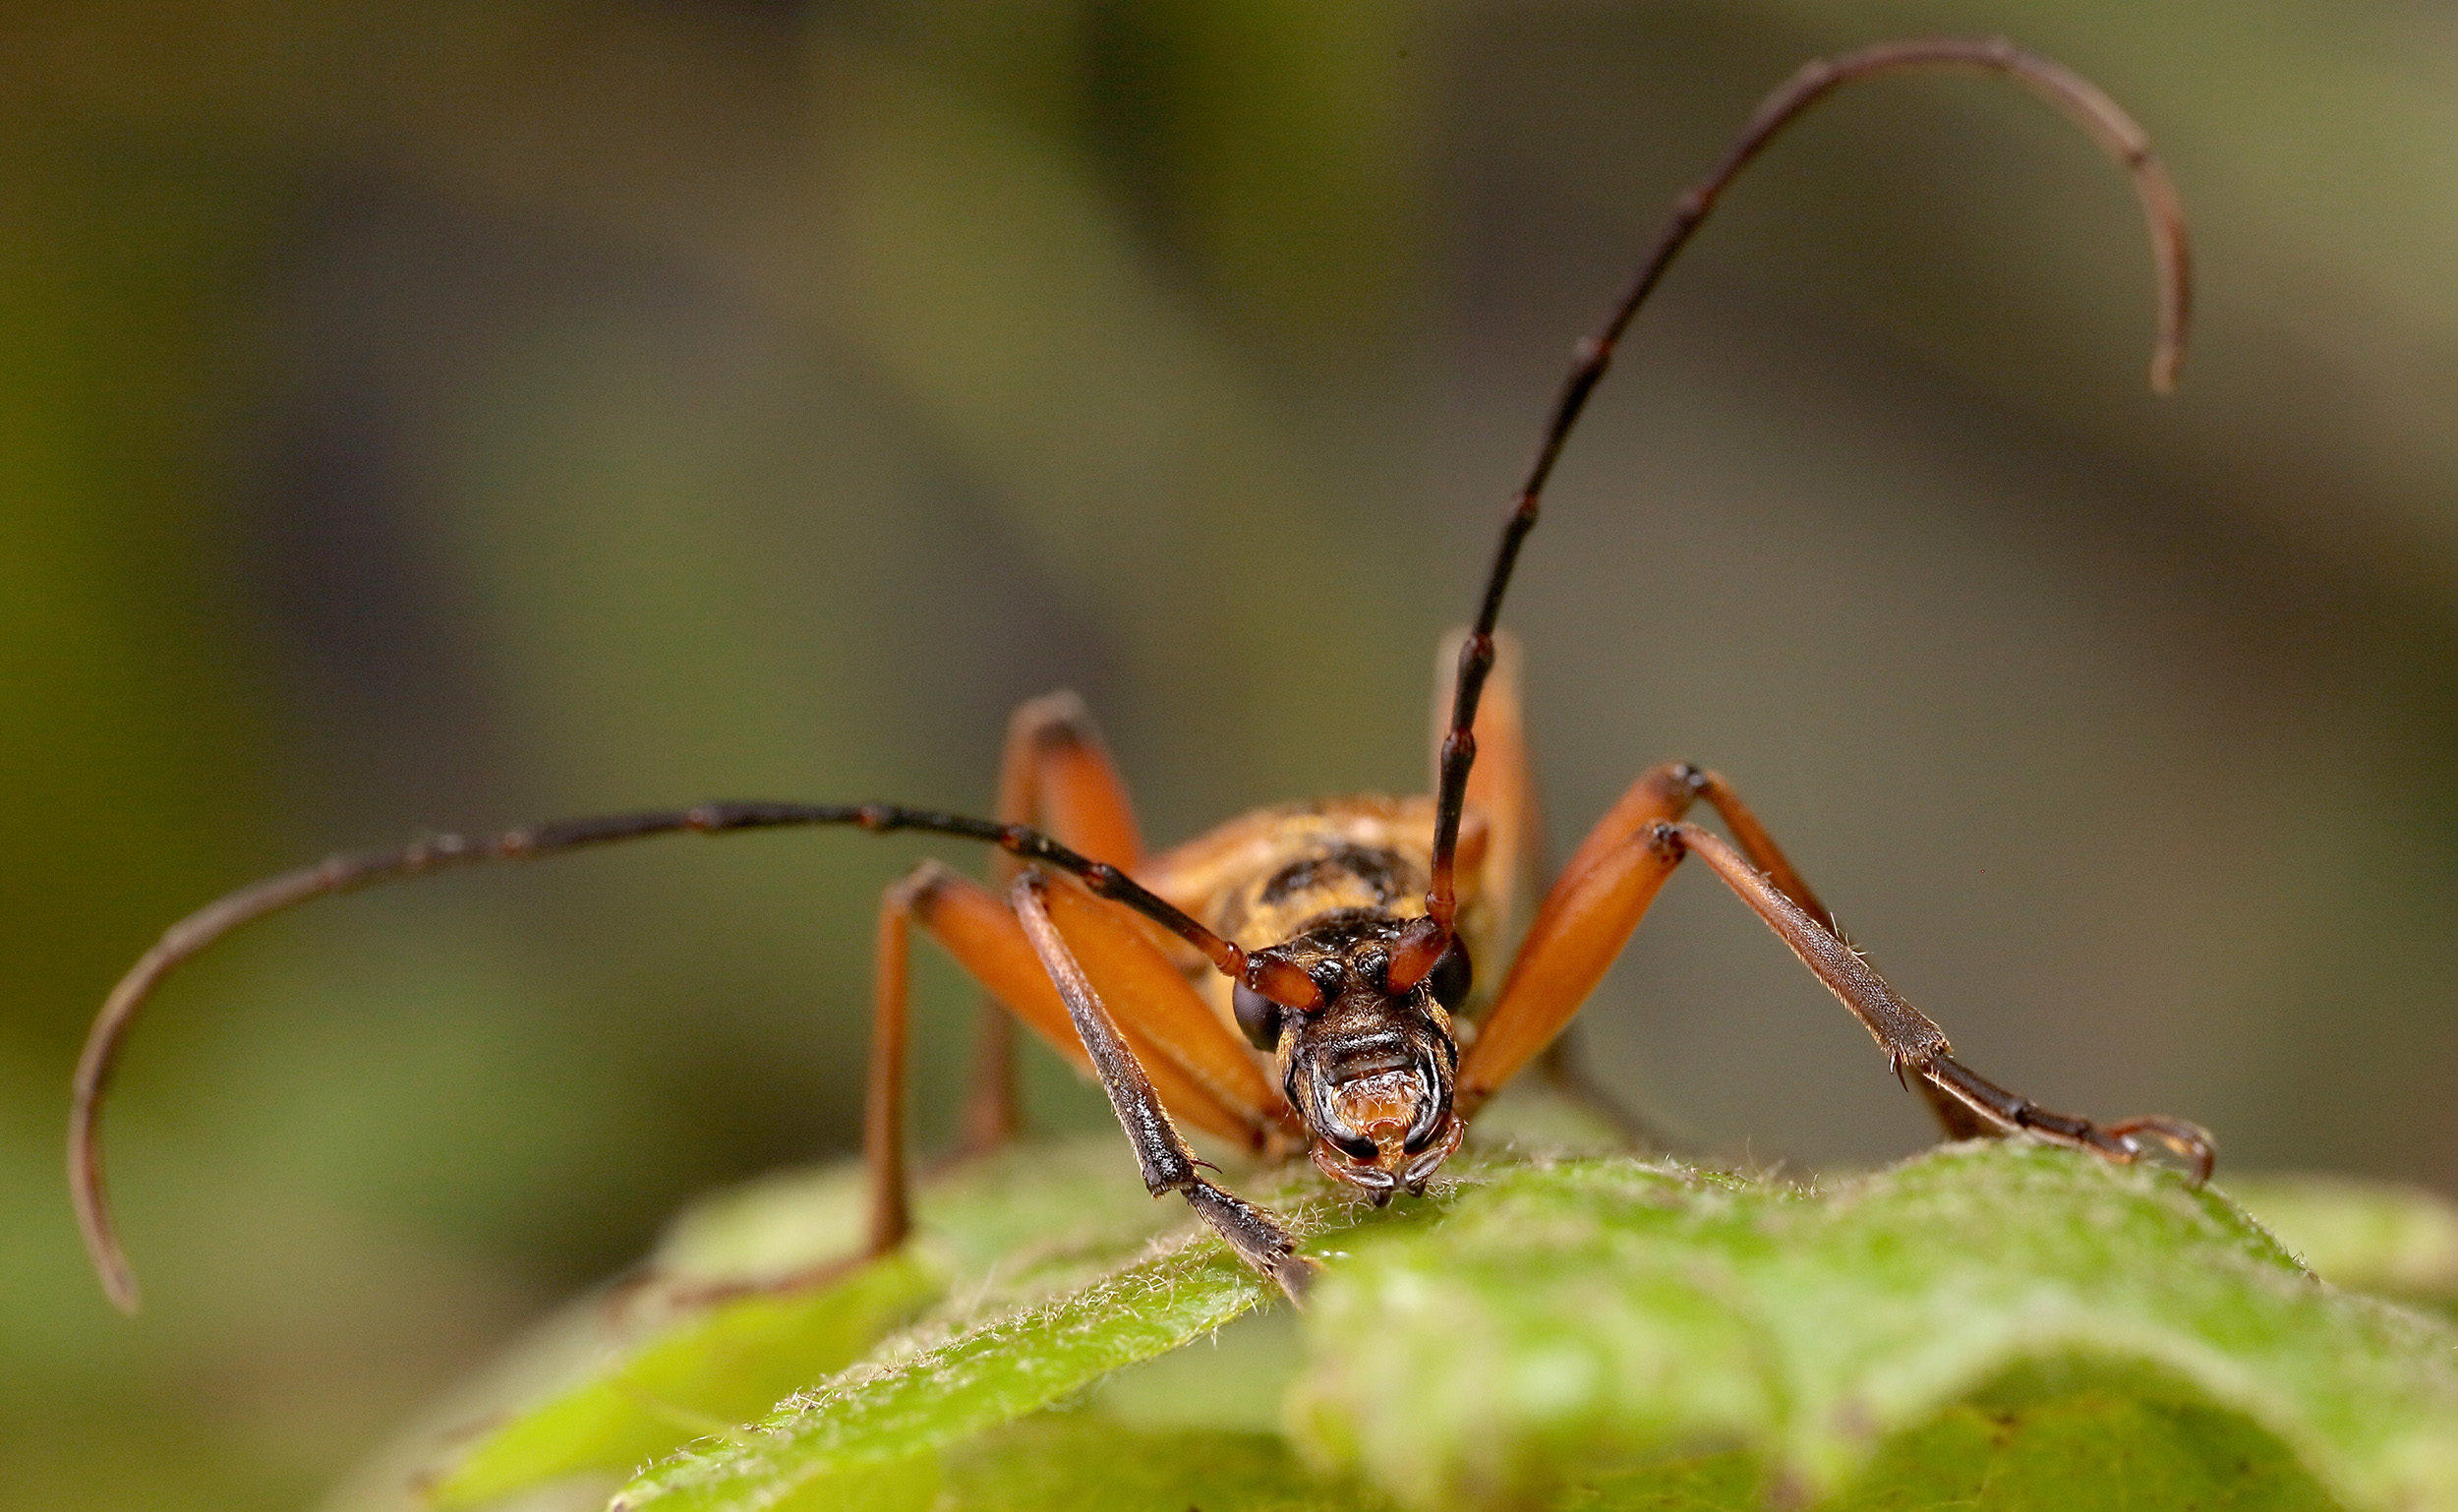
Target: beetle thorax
[(1266, 876)]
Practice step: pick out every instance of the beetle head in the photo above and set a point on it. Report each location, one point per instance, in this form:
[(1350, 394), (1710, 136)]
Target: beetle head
[(1369, 1069)]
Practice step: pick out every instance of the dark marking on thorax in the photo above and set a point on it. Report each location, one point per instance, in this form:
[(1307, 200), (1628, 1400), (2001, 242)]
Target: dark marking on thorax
[(1374, 868)]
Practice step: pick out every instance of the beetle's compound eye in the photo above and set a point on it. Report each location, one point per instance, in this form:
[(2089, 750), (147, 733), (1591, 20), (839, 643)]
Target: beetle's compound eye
[(1257, 1015), (1453, 976)]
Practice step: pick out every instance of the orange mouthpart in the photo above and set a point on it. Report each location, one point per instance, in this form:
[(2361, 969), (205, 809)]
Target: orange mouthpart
[(1380, 1107)]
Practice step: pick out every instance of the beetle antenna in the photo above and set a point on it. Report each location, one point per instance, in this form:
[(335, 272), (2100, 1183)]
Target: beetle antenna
[(370, 868), (2075, 98)]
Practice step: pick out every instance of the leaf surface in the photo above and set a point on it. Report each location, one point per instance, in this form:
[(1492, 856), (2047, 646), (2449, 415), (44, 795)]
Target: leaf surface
[(1582, 1320), (1986, 1326), (649, 1369)]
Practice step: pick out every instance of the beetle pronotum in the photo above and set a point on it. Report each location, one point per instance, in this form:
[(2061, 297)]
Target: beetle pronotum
[(1300, 976)]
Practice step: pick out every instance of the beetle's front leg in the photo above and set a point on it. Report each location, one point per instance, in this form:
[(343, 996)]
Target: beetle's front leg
[(1911, 1040), (1588, 915), (1167, 1164)]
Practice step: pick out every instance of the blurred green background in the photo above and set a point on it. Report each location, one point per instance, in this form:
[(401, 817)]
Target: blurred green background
[(442, 415)]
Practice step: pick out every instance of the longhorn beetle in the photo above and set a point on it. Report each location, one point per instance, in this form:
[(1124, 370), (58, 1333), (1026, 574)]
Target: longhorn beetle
[(1299, 977)]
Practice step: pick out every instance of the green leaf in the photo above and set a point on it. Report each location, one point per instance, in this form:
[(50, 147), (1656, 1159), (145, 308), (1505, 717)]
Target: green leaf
[(718, 1369), (2369, 1236), (649, 1369), (1987, 1327), (1586, 1320), (1038, 1465), (869, 1422)]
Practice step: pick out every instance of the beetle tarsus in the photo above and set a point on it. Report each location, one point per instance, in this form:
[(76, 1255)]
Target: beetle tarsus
[(2119, 1143), (1254, 1235)]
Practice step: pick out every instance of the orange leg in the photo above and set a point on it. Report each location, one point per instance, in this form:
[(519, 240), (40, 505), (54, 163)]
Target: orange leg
[(1141, 1108), (1055, 773), (1615, 875), (986, 940), (1911, 1040), (1589, 916), (975, 927), (1163, 1014)]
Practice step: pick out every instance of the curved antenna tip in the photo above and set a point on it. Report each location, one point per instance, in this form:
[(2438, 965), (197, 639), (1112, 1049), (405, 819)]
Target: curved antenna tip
[(2163, 369), (93, 1213), (119, 1283), (110, 1262)]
